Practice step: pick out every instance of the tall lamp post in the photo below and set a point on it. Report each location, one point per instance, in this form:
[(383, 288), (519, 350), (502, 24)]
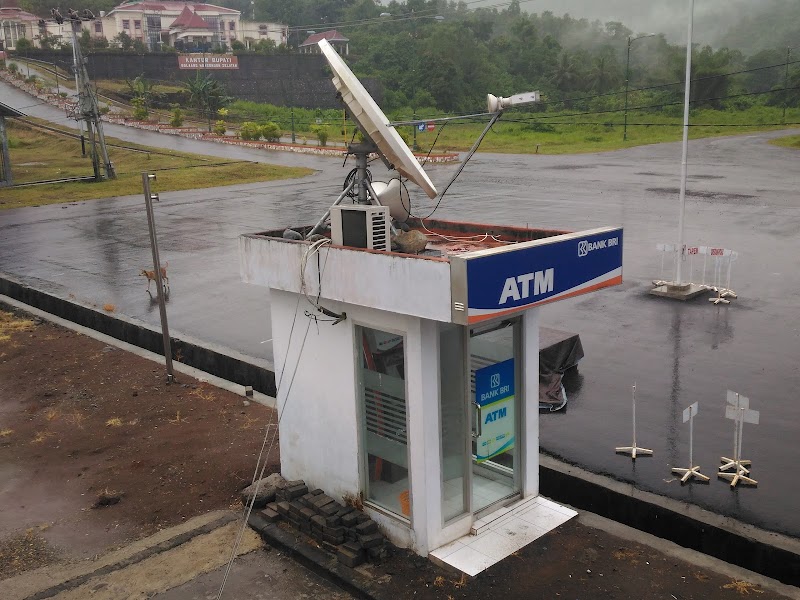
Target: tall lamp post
[(685, 153), (628, 79)]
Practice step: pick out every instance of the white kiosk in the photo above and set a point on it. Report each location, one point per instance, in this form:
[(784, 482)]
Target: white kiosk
[(411, 381)]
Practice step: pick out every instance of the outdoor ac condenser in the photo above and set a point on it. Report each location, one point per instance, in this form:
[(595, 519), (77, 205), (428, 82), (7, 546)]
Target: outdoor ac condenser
[(361, 226)]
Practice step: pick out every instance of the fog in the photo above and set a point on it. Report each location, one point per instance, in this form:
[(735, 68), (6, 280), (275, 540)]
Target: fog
[(713, 18)]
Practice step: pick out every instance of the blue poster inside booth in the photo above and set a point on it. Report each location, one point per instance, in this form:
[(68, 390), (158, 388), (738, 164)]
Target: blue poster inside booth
[(494, 395)]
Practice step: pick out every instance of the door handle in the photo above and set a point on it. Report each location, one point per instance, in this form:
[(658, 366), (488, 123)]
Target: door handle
[(478, 431)]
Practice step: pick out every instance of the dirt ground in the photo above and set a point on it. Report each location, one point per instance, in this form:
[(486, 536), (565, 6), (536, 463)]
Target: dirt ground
[(96, 449), (572, 562)]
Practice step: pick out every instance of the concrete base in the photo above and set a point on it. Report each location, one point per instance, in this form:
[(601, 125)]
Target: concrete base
[(686, 291)]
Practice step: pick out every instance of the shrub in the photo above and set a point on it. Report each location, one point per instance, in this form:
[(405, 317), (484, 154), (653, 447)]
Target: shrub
[(104, 110), (32, 79), (177, 118), (249, 131), (271, 132), (220, 128), (593, 138), (140, 111), (13, 68), (322, 134), (62, 94)]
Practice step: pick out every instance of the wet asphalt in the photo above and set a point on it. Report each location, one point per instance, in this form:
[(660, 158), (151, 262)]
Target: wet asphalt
[(742, 194)]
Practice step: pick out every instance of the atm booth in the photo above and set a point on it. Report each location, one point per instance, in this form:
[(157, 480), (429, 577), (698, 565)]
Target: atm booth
[(411, 381)]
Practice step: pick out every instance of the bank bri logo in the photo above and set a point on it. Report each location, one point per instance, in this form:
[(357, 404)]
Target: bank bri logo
[(585, 246)]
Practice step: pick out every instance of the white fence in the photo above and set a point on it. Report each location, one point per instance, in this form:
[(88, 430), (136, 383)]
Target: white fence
[(709, 268)]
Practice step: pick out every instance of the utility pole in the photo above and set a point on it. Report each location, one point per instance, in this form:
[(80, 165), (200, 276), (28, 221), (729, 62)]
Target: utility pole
[(786, 84), (88, 109)]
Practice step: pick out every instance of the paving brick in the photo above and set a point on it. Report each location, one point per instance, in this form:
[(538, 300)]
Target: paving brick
[(316, 492), (294, 508), (294, 483), (307, 499), (318, 522), (351, 535), (362, 517), (328, 510), (333, 539), (296, 492), (322, 500), (306, 514), (333, 521), (367, 527), (349, 558), (350, 520), (352, 546), (270, 515), (273, 506), (283, 508), (327, 546), (371, 540), (337, 531), (345, 510), (305, 526)]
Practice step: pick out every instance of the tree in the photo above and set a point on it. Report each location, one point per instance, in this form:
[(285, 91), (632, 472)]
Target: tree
[(123, 41), (24, 44), (206, 94)]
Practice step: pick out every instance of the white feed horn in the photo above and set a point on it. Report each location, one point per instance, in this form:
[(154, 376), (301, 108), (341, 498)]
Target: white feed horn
[(395, 196)]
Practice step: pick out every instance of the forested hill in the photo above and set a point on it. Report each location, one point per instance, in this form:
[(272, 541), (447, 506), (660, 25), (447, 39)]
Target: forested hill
[(772, 24), (448, 55)]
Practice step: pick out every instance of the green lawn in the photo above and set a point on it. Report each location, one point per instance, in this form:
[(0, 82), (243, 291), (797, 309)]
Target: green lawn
[(791, 141), (547, 133), (38, 155)]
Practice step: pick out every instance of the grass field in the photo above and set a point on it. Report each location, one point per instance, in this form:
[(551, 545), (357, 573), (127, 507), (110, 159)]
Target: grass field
[(546, 133), (38, 155), (792, 141)]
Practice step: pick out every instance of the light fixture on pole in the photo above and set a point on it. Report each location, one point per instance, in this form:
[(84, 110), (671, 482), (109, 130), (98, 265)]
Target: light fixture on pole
[(628, 78)]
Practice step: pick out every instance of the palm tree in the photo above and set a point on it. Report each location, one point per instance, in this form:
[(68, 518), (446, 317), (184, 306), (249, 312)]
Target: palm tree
[(565, 73), (206, 94)]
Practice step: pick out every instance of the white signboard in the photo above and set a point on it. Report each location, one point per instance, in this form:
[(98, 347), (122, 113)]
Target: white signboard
[(749, 416), (689, 412), (741, 402)]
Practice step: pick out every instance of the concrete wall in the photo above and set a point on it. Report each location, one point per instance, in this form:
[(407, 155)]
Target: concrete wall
[(283, 80), (391, 282)]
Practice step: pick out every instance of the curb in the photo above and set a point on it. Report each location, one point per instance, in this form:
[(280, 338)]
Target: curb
[(768, 553), (314, 559), (169, 544), (220, 362)]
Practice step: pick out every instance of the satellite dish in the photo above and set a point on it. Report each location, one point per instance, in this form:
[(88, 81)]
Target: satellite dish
[(373, 122), (395, 196)]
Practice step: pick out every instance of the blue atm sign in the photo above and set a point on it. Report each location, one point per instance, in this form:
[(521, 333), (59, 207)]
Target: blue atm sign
[(501, 281)]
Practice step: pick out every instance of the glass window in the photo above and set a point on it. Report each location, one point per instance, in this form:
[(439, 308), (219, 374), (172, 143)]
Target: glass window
[(137, 24), (98, 27), (232, 25), (383, 411), (126, 24), (453, 407)]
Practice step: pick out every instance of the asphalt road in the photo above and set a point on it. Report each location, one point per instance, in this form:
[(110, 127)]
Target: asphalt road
[(743, 195)]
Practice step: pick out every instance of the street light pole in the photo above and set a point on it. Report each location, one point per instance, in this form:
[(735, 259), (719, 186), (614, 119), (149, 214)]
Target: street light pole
[(628, 78), (685, 154)]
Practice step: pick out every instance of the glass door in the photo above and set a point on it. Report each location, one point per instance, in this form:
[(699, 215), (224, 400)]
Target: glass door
[(494, 388)]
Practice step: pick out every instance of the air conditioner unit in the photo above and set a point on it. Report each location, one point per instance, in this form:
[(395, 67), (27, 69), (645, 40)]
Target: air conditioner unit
[(361, 226)]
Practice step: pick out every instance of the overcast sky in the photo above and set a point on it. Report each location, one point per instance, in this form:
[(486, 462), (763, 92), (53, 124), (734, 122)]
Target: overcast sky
[(712, 17)]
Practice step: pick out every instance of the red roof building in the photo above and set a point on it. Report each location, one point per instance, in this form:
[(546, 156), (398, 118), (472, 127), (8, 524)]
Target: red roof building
[(336, 39)]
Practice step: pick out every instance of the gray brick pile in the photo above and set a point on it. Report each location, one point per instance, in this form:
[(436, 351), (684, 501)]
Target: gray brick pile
[(342, 530)]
